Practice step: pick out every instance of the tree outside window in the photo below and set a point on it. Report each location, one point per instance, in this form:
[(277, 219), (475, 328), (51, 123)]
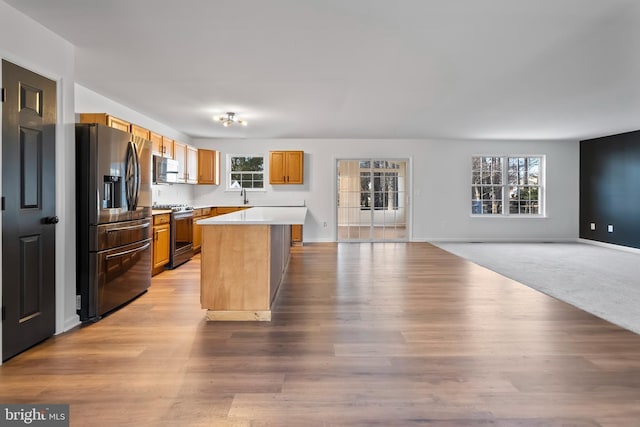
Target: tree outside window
[(513, 182), (246, 172), (379, 185)]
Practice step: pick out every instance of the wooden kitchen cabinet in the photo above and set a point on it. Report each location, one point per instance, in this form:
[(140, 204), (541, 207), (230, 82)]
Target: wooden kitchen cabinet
[(221, 210), (168, 147), (208, 167), (161, 145), (140, 131), (191, 165), (156, 143), (286, 167), (105, 119), (199, 214), (187, 158), (161, 242), (180, 155), (296, 235)]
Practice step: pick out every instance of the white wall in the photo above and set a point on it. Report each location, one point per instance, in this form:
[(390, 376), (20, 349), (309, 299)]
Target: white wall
[(440, 185), (172, 194), (30, 45)]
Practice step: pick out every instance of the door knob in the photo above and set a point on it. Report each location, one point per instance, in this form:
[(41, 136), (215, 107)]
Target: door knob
[(51, 220)]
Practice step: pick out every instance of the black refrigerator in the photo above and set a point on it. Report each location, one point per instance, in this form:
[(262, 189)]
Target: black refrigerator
[(113, 234)]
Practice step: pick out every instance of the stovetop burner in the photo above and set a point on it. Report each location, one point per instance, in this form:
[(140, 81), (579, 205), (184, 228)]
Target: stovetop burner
[(174, 207)]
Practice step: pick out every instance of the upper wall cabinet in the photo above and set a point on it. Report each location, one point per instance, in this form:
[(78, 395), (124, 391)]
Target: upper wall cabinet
[(187, 157), (140, 131), (180, 154), (161, 145), (157, 148), (208, 167), (192, 165), (286, 167), (105, 119), (168, 148)]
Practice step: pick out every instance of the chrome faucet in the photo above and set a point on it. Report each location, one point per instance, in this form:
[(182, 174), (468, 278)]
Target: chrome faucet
[(243, 194)]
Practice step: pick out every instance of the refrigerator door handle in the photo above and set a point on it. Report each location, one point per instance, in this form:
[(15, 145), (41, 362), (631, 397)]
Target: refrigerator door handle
[(132, 227), (131, 176), (131, 251), (136, 190)]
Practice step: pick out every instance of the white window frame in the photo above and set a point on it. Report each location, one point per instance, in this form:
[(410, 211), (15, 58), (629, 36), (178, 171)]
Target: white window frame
[(505, 187), (229, 172)]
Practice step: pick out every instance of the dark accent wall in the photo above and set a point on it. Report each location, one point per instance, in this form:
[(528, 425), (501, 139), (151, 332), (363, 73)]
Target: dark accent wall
[(610, 189)]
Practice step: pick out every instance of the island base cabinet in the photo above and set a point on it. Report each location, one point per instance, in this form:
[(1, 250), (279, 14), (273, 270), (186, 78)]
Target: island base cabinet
[(296, 235), (242, 268)]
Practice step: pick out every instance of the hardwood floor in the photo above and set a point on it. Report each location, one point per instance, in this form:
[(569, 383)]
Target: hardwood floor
[(362, 334), (366, 234)]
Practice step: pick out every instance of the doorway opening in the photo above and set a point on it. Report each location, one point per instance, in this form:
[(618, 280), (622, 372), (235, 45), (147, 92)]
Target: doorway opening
[(372, 200)]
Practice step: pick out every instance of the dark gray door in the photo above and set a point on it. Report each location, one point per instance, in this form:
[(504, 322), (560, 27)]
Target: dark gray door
[(28, 213)]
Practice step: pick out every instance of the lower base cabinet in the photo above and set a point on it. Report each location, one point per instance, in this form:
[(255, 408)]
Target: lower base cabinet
[(296, 235), (221, 210), (161, 242), (198, 214)]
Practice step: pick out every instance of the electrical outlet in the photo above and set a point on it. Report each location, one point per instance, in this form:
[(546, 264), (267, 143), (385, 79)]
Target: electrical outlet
[(324, 224), (593, 225), (610, 228)]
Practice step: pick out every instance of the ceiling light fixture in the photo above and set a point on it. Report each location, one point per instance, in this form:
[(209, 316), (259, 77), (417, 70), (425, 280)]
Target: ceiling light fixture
[(230, 118)]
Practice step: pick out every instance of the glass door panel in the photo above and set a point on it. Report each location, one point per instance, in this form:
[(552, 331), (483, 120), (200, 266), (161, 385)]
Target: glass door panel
[(372, 200)]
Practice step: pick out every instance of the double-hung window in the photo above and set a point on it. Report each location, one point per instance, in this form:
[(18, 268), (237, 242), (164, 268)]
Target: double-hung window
[(507, 185), (245, 172)]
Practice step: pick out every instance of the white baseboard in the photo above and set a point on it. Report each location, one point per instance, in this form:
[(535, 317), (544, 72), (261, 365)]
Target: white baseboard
[(71, 322), (319, 241), (497, 240), (473, 240), (610, 246)]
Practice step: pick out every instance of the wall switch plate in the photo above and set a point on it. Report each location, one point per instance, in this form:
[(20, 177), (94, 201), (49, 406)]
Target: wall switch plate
[(610, 228), (593, 225)]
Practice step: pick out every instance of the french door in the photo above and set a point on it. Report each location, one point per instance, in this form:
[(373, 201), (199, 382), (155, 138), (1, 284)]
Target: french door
[(372, 200)]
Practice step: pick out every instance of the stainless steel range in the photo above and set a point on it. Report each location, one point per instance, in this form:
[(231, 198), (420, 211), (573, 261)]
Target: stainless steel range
[(181, 234)]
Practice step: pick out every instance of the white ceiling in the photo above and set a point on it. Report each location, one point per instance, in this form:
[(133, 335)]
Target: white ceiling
[(487, 69)]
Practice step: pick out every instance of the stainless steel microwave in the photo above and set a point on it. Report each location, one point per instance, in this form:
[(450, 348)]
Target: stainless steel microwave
[(165, 171)]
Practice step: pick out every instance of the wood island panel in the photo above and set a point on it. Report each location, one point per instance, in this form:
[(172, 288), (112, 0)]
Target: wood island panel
[(235, 273)]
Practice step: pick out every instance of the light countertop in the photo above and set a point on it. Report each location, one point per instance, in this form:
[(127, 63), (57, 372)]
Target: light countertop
[(160, 211), (260, 215), (248, 205)]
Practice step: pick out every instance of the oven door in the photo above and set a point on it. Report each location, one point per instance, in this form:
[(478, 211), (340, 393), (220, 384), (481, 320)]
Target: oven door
[(120, 275), (181, 238), (184, 231)]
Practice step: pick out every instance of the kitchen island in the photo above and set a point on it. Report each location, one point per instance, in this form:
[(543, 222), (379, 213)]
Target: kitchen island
[(244, 256)]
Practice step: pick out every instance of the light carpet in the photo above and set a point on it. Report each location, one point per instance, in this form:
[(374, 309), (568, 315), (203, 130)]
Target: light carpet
[(601, 281)]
